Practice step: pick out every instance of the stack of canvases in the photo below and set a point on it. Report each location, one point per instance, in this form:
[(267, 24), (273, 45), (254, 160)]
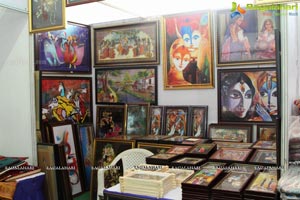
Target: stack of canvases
[(148, 183)]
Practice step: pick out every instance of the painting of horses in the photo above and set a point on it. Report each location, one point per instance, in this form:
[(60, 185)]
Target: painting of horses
[(126, 85), (65, 51), (126, 44), (66, 99)]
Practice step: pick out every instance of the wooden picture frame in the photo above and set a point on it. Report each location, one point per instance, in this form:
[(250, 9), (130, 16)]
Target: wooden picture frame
[(136, 119), (255, 87), (264, 156), (266, 132), (155, 148), (86, 137), (231, 154), (188, 161), (230, 132), (64, 51), (78, 2), (203, 177), (127, 44), (188, 60), (64, 133), (263, 182), (110, 120), (105, 150), (198, 119), (156, 120), (66, 98), (121, 85), (176, 120), (179, 149), (262, 144), (240, 145), (202, 150), (246, 38), (46, 15)]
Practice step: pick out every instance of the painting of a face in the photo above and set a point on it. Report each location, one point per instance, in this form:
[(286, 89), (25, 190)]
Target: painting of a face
[(181, 58), (240, 99), (268, 93), (191, 38)]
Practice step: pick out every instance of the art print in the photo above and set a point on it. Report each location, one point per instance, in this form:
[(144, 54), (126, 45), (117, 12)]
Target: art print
[(65, 51), (126, 85), (176, 120), (246, 36), (248, 95), (66, 98), (188, 61)]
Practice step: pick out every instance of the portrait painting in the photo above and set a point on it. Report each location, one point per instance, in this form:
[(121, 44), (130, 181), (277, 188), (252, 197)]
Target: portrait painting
[(121, 85), (127, 44), (65, 51), (110, 120), (248, 95), (176, 119), (246, 36), (198, 118), (66, 98), (188, 60), (156, 117)]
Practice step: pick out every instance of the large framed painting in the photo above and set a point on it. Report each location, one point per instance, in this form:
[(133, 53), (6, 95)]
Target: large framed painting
[(188, 60), (137, 119), (248, 95), (126, 85), (176, 120), (126, 44), (246, 36), (198, 118), (156, 120), (64, 133), (46, 15), (64, 51), (78, 2), (66, 98), (110, 120)]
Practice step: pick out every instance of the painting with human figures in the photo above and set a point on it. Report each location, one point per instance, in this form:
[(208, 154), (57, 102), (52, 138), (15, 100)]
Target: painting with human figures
[(176, 119), (66, 99), (66, 50), (188, 61)]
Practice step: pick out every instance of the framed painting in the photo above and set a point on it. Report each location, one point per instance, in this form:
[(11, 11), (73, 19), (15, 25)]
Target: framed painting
[(86, 137), (188, 60), (264, 156), (179, 149), (231, 154), (66, 98), (230, 132), (105, 150), (64, 133), (262, 144), (127, 44), (110, 120), (198, 118), (156, 120), (64, 51), (154, 148), (136, 119), (46, 15), (202, 150), (248, 95), (78, 2), (246, 36), (121, 85), (263, 183), (240, 145), (176, 120), (266, 132), (204, 177)]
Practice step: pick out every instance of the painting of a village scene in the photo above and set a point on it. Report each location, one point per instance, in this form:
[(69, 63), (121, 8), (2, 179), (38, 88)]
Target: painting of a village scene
[(126, 44), (126, 85)]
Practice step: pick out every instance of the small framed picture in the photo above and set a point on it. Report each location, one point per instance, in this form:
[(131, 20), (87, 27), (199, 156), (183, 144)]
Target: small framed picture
[(156, 120), (161, 158), (261, 144), (230, 132), (264, 156), (154, 147), (136, 119), (266, 132), (176, 120), (203, 177), (179, 149), (202, 150), (240, 145), (188, 161), (110, 120), (263, 182), (231, 154), (198, 118)]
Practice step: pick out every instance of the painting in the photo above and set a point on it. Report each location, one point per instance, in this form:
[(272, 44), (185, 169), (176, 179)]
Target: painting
[(64, 133), (198, 118), (46, 15), (179, 149), (189, 160), (248, 95), (110, 120), (86, 140), (228, 132), (203, 149), (231, 154), (127, 44), (176, 120), (65, 51), (266, 133), (263, 182), (246, 36), (188, 60), (204, 177), (154, 147), (78, 2), (156, 119), (264, 156), (126, 85), (136, 119), (261, 144), (66, 98)]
